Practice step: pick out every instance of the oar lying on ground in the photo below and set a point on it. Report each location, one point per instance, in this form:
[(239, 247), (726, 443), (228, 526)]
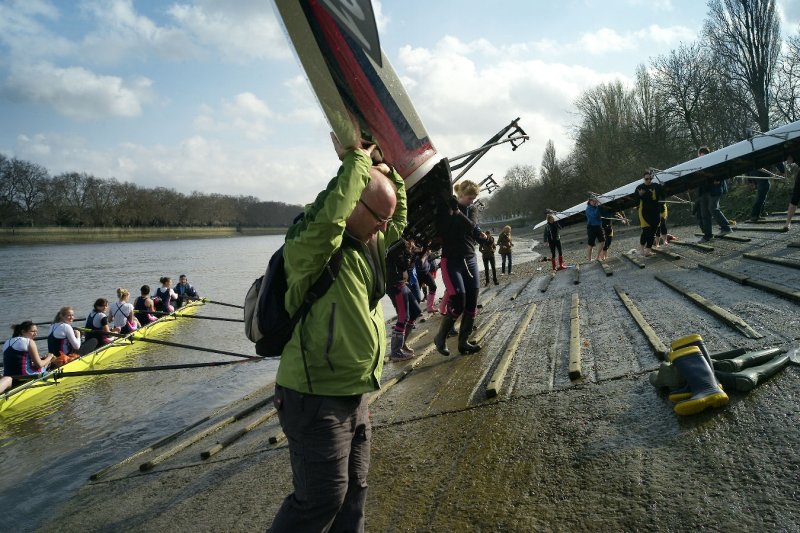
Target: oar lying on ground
[(173, 344)]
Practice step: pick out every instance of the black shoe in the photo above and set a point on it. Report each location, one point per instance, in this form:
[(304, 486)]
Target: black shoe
[(440, 340)]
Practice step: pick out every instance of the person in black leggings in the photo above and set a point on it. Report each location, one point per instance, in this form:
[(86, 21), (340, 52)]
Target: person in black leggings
[(459, 232), (792, 168)]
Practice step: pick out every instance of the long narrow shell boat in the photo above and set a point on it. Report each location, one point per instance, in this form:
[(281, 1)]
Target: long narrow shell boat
[(48, 383)]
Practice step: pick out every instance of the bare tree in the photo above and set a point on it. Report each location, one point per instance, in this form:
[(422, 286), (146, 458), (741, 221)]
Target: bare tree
[(787, 86), (745, 38)]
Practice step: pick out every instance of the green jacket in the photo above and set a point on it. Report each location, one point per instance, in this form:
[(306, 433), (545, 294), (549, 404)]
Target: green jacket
[(338, 349)]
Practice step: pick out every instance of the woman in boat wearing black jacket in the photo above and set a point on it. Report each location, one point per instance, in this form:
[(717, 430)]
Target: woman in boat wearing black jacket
[(459, 231)]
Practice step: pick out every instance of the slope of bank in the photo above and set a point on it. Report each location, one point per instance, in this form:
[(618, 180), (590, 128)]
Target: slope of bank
[(600, 451), (64, 235)]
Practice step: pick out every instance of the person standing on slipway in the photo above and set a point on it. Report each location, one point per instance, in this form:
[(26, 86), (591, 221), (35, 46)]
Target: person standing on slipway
[(335, 355)]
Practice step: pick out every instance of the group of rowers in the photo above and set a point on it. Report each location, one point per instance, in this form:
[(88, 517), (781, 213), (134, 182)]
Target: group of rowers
[(21, 358)]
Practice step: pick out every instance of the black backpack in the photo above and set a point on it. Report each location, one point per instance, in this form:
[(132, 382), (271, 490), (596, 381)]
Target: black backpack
[(266, 321)]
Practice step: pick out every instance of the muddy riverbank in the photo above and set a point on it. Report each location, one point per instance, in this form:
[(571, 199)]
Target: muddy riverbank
[(601, 452)]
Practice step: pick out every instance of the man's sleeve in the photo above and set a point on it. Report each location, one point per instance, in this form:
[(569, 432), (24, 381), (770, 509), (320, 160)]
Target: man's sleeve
[(308, 252), (399, 219)]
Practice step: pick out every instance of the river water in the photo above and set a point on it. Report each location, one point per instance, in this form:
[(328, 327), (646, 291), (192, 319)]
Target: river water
[(48, 452)]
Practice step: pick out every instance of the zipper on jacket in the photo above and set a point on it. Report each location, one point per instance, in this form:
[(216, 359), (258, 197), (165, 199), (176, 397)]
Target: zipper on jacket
[(329, 344)]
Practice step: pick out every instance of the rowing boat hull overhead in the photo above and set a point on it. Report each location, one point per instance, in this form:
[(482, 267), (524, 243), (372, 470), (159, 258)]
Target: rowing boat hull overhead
[(762, 150), (42, 389), (360, 93)]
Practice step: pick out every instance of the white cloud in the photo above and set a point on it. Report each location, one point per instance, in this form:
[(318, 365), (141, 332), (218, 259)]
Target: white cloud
[(463, 103), (121, 33), (25, 37), (607, 40), (238, 33), (194, 163), (78, 93)]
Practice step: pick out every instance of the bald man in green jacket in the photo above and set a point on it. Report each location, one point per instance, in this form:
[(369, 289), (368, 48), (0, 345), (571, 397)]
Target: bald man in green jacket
[(335, 355)]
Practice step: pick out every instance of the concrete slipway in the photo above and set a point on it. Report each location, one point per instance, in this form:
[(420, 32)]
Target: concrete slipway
[(601, 452)]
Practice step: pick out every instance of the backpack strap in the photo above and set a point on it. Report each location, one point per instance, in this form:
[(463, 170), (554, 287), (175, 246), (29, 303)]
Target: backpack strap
[(320, 286)]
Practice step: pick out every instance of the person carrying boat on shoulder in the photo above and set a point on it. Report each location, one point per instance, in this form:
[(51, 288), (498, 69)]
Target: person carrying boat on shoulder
[(459, 230), (594, 226), (63, 340), (21, 360), (144, 307), (186, 292), (97, 322), (164, 296), (335, 355), (649, 213), (123, 317)]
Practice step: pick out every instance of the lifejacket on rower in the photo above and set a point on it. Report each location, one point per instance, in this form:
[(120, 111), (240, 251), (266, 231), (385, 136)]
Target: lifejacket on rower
[(143, 306)]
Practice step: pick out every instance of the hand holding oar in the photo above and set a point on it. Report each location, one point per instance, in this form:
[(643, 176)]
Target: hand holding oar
[(133, 338)]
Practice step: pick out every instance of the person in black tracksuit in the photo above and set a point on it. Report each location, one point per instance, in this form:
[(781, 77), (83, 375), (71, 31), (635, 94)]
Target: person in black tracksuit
[(459, 231)]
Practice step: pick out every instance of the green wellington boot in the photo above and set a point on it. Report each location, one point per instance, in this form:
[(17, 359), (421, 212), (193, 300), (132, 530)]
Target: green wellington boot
[(667, 376), (746, 380), (440, 340), (746, 360), (700, 377), (464, 346)]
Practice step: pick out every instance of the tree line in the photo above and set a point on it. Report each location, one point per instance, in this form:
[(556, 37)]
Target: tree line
[(740, 76), (29, 196)]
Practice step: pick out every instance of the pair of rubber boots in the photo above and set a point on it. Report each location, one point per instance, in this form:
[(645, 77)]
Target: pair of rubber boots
[(740, 371), (561, 265), (464, 346), (400, 350), (690, 360)]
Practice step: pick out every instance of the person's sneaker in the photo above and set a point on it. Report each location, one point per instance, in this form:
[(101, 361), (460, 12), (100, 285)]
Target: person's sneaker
[(724, 232), (704, 239)]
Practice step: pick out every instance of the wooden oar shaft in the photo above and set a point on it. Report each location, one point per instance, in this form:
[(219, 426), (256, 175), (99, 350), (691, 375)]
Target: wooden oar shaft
[(202, 434), (161, 442), (135, 369)]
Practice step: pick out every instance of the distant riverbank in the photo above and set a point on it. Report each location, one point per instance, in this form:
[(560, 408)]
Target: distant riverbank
[(51, 235)]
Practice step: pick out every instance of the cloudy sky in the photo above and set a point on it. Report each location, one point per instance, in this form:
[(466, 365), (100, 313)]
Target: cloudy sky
[(206, 95)]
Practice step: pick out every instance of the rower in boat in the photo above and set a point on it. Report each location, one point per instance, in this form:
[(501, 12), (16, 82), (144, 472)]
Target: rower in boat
[(123, 318), (143, 306), (97, 322), (63, 339), (186, 293), (21, 360), (164, 296)]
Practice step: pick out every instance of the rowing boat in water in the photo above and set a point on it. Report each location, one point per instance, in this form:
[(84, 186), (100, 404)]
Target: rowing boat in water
[(48, 383)]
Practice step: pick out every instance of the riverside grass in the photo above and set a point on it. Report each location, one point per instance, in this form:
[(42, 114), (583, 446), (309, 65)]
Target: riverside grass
[(61, 234)]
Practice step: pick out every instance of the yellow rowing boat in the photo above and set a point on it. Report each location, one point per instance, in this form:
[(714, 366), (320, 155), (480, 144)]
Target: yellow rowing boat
[(49, 383)]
